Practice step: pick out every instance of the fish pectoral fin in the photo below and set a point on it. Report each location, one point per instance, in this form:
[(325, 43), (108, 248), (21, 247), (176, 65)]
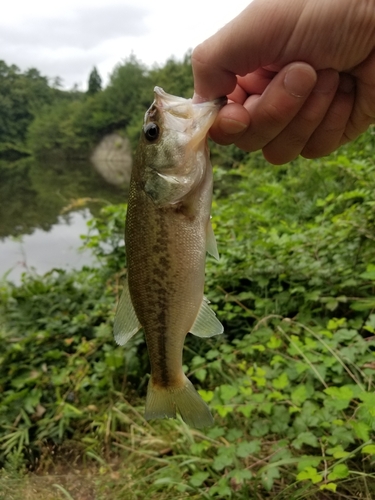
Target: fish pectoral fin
[(126, 322), (206, 323), (211, 246), (172, 179)]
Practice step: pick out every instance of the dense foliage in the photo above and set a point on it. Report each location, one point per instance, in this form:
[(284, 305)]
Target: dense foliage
[(22, 95), (291, 382), (38, 117)]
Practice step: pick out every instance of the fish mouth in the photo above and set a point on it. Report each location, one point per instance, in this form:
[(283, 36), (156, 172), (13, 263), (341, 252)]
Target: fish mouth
[(182, 115), (180, 104)]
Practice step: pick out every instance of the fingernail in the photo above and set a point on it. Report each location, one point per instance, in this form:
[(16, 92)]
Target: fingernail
[(299, 80), (231, 127)]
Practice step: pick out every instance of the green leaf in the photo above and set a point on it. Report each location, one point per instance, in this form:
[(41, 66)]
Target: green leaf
[(299, 395), (281, 382), (234, 434), (224, 458), (240, 475), (268, 477), (328, 486), (369, 274), (305, 438), (224, 410), (361, 430), (337, 452), (363, 305), (308, 461), (207, 396), (259, 428), (245, 410), (247, 448), (340, 471), (311, 474), (369, 449), (198, 478), (274, 342), (228, 392), (201, 374)]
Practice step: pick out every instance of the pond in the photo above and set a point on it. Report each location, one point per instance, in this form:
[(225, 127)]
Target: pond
[(44, 208)]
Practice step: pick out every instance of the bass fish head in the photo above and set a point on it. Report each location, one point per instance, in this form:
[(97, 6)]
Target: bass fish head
[(172, 154)]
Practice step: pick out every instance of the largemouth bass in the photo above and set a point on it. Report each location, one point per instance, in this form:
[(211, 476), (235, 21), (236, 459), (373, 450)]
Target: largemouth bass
[(167, 234)]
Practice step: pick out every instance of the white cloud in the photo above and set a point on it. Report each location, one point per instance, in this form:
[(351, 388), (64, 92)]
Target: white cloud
[(67, 39)]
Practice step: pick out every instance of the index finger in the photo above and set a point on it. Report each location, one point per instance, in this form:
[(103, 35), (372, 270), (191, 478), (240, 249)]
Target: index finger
[(252, 40)]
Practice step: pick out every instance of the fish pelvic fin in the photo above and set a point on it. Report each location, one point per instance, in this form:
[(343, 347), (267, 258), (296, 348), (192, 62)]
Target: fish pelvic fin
[(211, 245), (206, 323), (126, 324), (165, 402)]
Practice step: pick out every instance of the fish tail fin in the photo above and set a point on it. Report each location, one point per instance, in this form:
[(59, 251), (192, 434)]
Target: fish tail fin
[(162, 402)]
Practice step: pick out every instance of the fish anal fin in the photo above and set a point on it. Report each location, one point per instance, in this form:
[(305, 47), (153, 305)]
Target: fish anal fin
[(163, 402), (211, 246), (206, 323), (126, 323)]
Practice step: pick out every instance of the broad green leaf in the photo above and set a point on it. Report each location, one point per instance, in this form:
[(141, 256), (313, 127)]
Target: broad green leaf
[(198, 478), (361, 430), (328, 486), (245, 410), (281, 382), (299, 395), (268, 477), (227, 392), (369, 449), (247, 448), (305, 438), (207, 396), (337, 452), (201, 374), (224, 458), (311, 474), (224, 410), (340, 471), (308, 461)]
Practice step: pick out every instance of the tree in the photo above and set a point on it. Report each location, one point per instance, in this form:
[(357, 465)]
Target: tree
[(95, 82)]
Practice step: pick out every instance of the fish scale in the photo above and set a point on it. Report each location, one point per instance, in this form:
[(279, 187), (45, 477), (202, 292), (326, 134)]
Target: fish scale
[(167, 233)]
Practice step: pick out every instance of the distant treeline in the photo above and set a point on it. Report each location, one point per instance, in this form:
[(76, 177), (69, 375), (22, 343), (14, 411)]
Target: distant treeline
[(38, 118)]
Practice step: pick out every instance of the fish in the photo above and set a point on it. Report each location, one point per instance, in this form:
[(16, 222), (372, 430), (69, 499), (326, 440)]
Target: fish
[(167, 234)]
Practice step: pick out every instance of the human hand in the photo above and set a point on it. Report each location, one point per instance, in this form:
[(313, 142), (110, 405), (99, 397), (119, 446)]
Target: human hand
[(299, 75)]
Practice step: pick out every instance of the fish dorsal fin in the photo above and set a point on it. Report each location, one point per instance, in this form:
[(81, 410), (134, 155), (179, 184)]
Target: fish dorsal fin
[(126, 322), (206, 323), (211, 246)]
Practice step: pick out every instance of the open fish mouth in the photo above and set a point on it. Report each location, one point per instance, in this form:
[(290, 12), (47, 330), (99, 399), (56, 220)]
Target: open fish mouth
[(183, 116)]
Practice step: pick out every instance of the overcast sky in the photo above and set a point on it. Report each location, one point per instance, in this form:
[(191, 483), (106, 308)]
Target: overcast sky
[(68, 38)]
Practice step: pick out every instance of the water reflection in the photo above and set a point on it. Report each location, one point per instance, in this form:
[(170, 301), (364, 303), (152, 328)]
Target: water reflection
[(35, 232), (43, 250), (32, 195), (113, 160)]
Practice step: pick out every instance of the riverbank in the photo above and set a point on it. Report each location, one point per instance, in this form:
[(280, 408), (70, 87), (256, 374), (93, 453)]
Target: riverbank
[(290, 383)]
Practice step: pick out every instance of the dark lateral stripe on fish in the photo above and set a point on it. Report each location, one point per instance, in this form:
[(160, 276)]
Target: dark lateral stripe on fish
[(160, 374)]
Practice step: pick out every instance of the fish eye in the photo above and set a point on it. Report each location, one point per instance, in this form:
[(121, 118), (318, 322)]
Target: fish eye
[(151, 132)]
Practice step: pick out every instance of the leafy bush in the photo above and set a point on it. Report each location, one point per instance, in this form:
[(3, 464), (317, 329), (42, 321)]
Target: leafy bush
[(290, 382)]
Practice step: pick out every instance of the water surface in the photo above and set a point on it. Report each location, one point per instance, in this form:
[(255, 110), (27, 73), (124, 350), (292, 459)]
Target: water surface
[(44, 208)]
